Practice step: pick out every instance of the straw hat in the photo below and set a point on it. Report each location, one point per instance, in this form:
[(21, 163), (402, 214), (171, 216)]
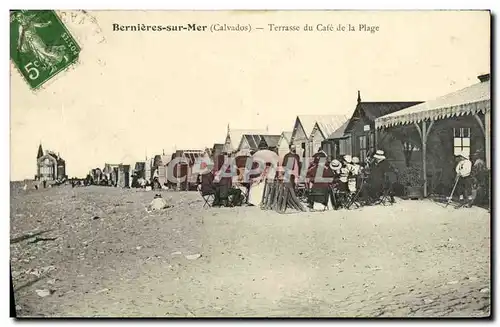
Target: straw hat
[(463, 154), (348, 158), (379, 155), (355, 160), (335, 164)]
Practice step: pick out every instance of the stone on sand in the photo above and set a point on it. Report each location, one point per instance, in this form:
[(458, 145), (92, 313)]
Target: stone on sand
[(193, 256)]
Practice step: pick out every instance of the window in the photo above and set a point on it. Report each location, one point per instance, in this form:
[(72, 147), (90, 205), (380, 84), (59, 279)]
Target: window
[(362, 148), (344, 146), (461, 140), (371, 142)]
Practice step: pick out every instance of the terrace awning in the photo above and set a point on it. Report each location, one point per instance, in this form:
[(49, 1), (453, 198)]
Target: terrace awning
[(468, 101)]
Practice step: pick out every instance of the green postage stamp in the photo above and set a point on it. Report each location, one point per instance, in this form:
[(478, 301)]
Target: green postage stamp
[(40, 45)]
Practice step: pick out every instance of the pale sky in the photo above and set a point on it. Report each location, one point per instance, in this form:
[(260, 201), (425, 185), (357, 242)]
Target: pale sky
[(141, 92)]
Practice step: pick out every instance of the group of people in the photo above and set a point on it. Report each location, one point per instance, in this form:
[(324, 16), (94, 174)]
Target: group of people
[(341, 179)]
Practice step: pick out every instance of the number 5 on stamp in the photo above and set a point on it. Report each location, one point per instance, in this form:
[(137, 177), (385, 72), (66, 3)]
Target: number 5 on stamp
[(40, 45)]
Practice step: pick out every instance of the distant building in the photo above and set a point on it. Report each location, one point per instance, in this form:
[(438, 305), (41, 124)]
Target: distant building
[(123, 178), (50, 166), (140, 169), (96, 175), (110, 172)]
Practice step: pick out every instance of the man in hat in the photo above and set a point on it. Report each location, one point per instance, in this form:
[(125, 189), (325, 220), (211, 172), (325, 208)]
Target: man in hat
[(338, 186), (292, 164), (479, 176), (464, 186), (378, 179)]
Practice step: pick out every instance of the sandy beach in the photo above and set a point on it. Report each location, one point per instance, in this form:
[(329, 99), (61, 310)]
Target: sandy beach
[(102, 254)]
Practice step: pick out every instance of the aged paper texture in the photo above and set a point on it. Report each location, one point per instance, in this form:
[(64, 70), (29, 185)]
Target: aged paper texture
[(250, 163)]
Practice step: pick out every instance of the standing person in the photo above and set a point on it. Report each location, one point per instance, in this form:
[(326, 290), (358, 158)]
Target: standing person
[(464, 186), (378, 179), (291, 163), (222, 181), (335, 167), (479, 177)]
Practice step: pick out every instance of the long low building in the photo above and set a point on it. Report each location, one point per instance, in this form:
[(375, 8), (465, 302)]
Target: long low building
[(440, 129)]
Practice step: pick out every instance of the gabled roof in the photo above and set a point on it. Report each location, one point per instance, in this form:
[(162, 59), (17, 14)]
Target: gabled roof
[(373, 110), (253, 141), (309, 121), (339, 132), (237, 134), (189, 155), (329, 124), (218, 147), (287, 136), (271, 140), (55, 156), (469, 100)]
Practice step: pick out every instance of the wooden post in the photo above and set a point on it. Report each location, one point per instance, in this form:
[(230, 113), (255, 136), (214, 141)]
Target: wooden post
[(424, 155), (424, 133)]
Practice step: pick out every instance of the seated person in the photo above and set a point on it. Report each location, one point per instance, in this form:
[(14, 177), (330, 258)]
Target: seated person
[(320, 183)]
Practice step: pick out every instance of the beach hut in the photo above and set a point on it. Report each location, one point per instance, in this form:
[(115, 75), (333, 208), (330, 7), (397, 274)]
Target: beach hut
[(360, 130), (323, 128), (337, 143), (250, 143), (284, 144), (234, 136), (303, 127)]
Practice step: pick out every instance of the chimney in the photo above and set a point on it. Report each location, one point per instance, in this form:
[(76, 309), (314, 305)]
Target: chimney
[(359, 96), (484, 78)]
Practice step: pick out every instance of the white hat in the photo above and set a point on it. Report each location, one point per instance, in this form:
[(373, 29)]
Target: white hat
[(463, 154), (335, 164), (348, 158), (379, 155), (355, 160)]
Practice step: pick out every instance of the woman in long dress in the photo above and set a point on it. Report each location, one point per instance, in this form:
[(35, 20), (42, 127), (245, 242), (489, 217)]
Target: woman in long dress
[(257, 186)]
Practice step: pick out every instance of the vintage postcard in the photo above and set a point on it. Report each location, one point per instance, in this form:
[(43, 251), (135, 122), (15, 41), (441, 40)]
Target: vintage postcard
[(250, 163)]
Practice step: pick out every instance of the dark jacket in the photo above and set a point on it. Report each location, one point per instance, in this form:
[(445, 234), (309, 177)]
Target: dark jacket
[(379, 172), (328, 175), (292, 156)]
